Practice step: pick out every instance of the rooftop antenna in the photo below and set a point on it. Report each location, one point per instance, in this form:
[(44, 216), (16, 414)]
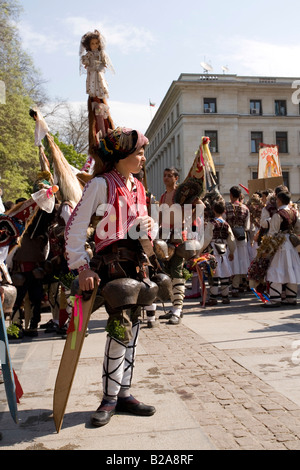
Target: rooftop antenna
[(206, 67), (225, 68)]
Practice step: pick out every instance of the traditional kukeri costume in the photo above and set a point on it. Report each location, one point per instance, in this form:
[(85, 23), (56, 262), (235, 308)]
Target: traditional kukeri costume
[(70, 192), (124, 263), (219, 234), (255, 206), (184, 238), (285, 265), (238, 217)]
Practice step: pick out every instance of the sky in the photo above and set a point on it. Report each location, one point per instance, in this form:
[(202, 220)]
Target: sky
[(150, 43)]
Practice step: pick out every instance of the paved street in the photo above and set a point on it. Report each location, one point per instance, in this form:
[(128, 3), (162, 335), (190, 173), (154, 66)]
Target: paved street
[(226, 378)]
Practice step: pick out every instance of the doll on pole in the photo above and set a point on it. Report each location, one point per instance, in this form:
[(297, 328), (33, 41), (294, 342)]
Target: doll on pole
[(94, 61)]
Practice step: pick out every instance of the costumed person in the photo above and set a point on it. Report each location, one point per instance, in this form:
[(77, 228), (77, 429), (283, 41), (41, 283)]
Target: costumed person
[(12, 227), (285, 264), (180, 225), (174, 266), (150, 201), (28, 266), (123, 263), (219, 234), (270, 208), (94, 60), (238, 217), (67, 197), (8, 290), (255, 206)]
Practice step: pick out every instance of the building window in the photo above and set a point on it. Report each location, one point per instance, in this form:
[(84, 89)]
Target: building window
[(210, 105), (255, 107), (280, 107), (286, 178), (213, 136), (282, 142), (254, 175), (256, 139)]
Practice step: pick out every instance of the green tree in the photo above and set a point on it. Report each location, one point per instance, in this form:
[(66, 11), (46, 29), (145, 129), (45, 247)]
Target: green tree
[(19, 159), (18, 155)]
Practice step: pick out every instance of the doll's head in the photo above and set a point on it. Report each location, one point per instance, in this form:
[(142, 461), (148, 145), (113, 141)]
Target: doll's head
[(93, 41)]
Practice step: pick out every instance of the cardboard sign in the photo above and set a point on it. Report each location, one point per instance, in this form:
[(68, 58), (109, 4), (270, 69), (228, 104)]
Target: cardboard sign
[(261, 184)]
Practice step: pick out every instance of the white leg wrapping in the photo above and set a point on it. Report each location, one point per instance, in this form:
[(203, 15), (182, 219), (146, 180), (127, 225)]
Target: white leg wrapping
[(129, 361), (225, 287), (214, 290), (113, 368), (275, 292), (178, 291), (291, 293), (150, 311)]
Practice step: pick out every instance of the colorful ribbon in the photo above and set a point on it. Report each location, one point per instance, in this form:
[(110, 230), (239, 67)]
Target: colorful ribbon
[(49, 193), (260, 296), (76, 321)]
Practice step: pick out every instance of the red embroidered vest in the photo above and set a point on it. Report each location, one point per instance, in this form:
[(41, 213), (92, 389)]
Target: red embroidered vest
[(122, 209)]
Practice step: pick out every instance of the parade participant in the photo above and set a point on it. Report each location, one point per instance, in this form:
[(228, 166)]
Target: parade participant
[(28, 266), (219, 234), (238, 217), (270, 208), (150, 201), (122, 264), (174, 267), (67, 197), (285, 265), (255, 206)]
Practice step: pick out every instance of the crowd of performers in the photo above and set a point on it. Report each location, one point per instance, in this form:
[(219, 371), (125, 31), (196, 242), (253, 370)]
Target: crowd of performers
[(255, 243), (95, 230), (245, 244), (250, 244)]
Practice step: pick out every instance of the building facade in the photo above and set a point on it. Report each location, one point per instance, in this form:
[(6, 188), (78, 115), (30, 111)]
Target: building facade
[(236, 113)]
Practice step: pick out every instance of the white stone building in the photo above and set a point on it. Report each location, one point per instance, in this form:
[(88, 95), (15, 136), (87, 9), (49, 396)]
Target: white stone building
[(237, 113)]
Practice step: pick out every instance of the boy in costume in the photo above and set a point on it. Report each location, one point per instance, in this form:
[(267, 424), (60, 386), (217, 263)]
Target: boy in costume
[(175, 265), (123, 263), (238, 217), (219, 234), (285, 265)]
